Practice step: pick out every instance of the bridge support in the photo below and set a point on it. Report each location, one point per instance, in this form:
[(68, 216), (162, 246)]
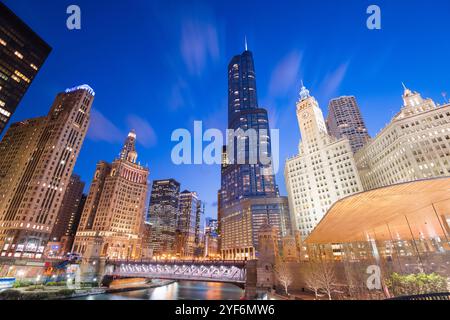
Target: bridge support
[(251, 279)]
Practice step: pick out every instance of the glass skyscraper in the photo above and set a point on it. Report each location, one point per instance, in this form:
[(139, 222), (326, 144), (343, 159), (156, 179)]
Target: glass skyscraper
[(22, 53), (248, 197), (240, 180)]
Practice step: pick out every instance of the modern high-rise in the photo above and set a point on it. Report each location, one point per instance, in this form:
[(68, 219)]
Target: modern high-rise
[(344, 120), (323, 172), (22, 54), (414, 145), (191, 210), (248, 197), (163, 214), (113, 221), (68, 217), (37, 157)]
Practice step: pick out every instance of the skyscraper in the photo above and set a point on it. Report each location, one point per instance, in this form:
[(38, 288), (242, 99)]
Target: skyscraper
[(323, 172), (246, 179), (68, 217), (248, 197), (344, 120), (22, 54), (189, 223), (112, 223), (37, 157), (163, 213), (414, 145)]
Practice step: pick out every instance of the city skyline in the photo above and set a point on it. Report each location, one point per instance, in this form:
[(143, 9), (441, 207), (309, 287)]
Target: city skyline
[(189, 67)]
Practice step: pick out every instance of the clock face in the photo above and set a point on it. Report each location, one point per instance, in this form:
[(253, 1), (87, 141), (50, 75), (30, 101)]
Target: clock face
[(305, 115)]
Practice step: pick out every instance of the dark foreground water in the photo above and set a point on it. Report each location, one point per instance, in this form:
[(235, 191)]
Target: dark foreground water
[(177, 291)]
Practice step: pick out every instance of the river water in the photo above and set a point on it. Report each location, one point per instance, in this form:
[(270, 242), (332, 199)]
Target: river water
[(181, 290)]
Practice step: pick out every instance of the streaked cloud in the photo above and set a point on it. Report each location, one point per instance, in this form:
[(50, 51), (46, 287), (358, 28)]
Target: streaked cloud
[(333, 80), (102, 129), (146, 136), (284, 76), (199, 44)]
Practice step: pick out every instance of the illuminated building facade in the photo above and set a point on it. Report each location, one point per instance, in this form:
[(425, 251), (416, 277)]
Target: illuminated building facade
[(113, 220), (22, 54), (248, 190), (344, 120), (191, 211), (163, 214), (323, 172), (414, 145), (37, 157)]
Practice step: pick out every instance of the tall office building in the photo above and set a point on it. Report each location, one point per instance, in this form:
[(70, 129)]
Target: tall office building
[(247, 179), (68, 218), (37, 157), (248, 197), (323, 172), (344, 120), (189, 223), (22, 54), (163, 214), (414, 145), (113, 221)]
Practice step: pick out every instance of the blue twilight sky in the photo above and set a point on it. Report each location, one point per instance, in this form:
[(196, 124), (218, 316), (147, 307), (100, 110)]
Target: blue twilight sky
[(160, 65)]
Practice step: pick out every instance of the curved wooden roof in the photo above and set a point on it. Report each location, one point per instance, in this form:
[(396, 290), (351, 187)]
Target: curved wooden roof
[(403, 211)]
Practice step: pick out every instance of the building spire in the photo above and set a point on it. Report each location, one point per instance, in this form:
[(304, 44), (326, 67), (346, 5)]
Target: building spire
[(129, 147), (304, 93), (246, 46)]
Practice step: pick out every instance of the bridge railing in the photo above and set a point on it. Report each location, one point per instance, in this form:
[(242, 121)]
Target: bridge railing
[(240, 263)]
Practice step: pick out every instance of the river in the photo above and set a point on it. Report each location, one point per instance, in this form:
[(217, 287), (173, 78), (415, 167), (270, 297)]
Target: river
[(181, 290)]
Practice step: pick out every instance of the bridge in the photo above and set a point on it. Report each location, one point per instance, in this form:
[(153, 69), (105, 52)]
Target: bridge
[(213, 271)]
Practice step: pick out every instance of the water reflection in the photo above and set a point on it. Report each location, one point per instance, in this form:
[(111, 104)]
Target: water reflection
[(182, 290)]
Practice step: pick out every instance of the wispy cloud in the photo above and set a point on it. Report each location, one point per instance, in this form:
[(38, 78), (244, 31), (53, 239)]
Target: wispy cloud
[(199, 44), (146, 136), (102, 129), (333, 80), (284, 76), (180, 95)]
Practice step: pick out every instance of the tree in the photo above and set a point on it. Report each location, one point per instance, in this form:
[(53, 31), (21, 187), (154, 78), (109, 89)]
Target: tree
[(283, 275), (312, 281), (321, 278), (327, 278)]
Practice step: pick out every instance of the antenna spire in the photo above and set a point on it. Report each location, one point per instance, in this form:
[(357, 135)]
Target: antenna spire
[(246, 46)]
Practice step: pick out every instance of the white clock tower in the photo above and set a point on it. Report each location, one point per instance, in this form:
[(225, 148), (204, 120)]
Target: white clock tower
[(323, 172)]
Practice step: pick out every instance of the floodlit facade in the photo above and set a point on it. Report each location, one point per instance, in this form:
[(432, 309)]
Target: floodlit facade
[(112, 224), (323, 172), (37, 157), (414, 145), (344, 120), (22, 53)]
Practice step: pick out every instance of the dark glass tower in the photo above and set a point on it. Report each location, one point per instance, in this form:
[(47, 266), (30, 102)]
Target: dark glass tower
[(245, 180), (248, 197), (163, 215), (22, 53)]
